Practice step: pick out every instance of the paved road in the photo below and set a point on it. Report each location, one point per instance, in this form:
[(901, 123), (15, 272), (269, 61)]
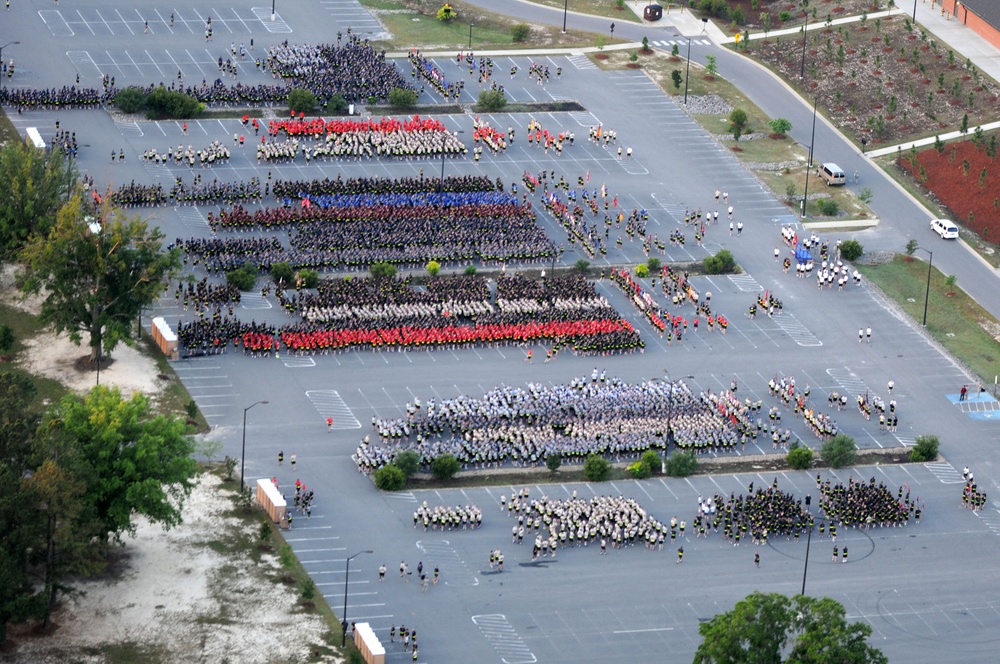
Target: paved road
[(582, 607)]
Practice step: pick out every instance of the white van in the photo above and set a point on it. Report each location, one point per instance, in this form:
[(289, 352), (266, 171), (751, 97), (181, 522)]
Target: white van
[(833, 174), (946, 229)]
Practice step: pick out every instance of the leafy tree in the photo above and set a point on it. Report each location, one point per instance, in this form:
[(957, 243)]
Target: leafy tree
[(445, 466), (938, 145), (446, 13), (407, 461), (336, 103), (520, 32), (911, 246), (681, 464), (851, 250), (433, 268), (800, 458), (711, 66), (765, 23), (553, 462), (282, 272), (35, 185), (470, 270), (596, 468), (164, 103), (390, 478), (645, 44), (582, 265), (675, 51), (402, 98), (721, 263), (131, 100), (925, 449), (641, 271), (18, 523), (758, 628), (676, 77), (780, 126), (243, 277), (301, 100), (491, 101), (131, 461), (738, 122), (382, 270), (839, 451), (96, 280), (653, 265), (310, 278), (964, 126), (828, 207), (652, 459), (6, 338), (600, 41), (639, 470)]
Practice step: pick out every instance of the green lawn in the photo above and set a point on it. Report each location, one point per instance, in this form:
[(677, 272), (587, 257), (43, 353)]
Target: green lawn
[(607, 8), (954, 319)]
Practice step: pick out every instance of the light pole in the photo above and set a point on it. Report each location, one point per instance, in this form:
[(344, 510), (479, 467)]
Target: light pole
[(565, 12), (687, 72), (13, 43), (805, 568), (927, 293), (805, 29), (243, 456), (470, 36), (914, 11), (347, 573), (812, 141), (272, 11)]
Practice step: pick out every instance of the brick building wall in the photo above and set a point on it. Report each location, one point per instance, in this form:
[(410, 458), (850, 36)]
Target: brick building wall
[(977, 23)]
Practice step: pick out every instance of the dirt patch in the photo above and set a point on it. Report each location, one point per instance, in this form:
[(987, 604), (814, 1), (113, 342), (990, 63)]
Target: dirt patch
[(956, 177), (171, 593), (792, 11)]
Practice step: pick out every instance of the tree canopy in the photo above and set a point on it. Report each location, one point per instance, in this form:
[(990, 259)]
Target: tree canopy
[(96, 279), (35, 184), (762, 627)]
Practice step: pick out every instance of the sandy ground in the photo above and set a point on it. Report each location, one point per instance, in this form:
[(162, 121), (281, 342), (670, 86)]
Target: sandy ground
[(175, 596), (172, 594)]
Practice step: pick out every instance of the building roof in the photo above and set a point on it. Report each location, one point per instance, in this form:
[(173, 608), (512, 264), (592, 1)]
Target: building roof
[(988, 10)]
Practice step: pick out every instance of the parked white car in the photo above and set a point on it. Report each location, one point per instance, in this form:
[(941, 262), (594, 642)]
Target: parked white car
[(946, 229)]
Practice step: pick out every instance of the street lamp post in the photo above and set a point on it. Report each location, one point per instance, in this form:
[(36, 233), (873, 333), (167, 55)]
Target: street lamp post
[(243, 455), (470, 36), (14, 43), (805, 29), (687, 72), (812, 142), (347, 573), (272, 11), (565, 12), (927, 292), (805, 568), (914, 11)]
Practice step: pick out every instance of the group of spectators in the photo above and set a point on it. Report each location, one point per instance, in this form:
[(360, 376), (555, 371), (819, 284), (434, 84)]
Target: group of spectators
[(863, 504), (522, 426)]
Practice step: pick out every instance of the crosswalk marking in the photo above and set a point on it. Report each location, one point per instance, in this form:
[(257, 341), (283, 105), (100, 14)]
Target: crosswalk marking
[(745, 283), (581, 62), (264, 14), (796, 330), (504, 639), (945, 472), (681, 42), (252, 301), (329, 404)]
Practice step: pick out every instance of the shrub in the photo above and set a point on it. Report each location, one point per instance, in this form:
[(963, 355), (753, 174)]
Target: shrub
[(645, 43), (780, 126), (6, 338), (738, 122), (652, 459), (520, 32), (641, 271), (582, 265), (433, 267), (308, 589), (634, 57), (596, 468), (681, 464), (301, 100), (310, 278), (851, 250), (402, 98), (282, 272), (229, 463), (470, 270), (675, 51), (243, 278), (785, 16), (676, 76), (839, 451), (163, 103), (828, 206), (639, 470), (492, 101), (390, 478), (445, 466), (926, 449), (382, 270), (446, 13), (407, 461), (721, 263), (911, 246), (131, 100), (800, 458), (654, 264), (336, 103), (552, 462)]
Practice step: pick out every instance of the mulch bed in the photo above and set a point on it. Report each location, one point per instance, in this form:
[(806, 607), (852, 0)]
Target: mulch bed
[(963, 193), (884, 82)]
